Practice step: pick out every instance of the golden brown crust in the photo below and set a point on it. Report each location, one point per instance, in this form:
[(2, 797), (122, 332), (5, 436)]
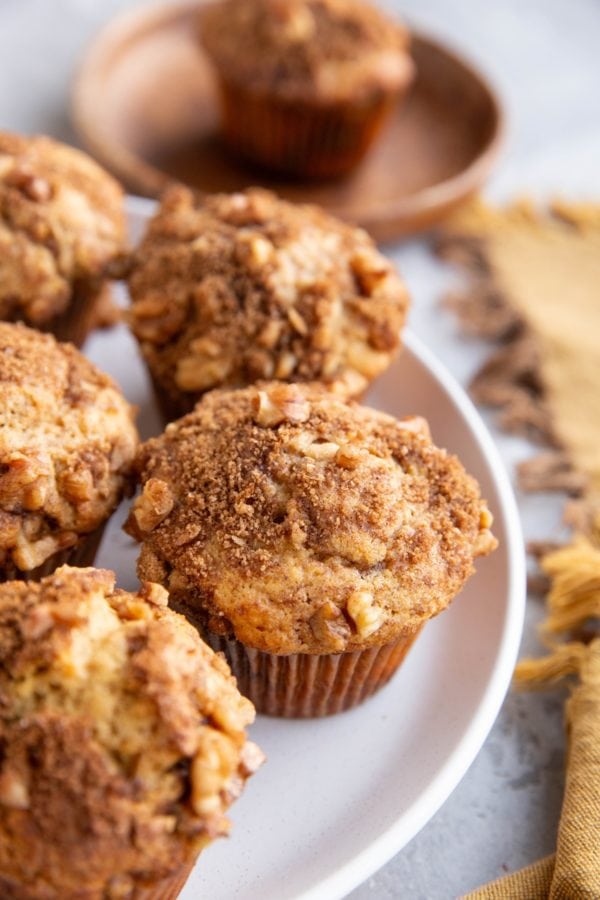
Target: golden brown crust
[(318, 50), (122, 738), (66, 445), (61, 223), (304, 524), (241, 287)]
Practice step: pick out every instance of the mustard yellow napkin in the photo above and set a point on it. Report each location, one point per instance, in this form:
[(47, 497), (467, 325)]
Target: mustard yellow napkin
[(573, 602)]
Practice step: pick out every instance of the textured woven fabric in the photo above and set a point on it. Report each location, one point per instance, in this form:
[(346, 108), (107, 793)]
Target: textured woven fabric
[(574, 872)]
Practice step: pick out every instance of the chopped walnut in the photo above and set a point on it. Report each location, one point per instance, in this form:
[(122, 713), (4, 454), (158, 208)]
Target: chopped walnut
[(297, 322), (283, 403), (154, 593), (366, 616), (329, 627), (416, 424), (153, 505), (270, 334), (13, 790), (370, 270), (348, 457), (213, 764), (195, 373), (286, 364)]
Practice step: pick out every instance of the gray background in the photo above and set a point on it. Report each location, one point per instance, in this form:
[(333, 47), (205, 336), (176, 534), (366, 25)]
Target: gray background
[(543, 56)]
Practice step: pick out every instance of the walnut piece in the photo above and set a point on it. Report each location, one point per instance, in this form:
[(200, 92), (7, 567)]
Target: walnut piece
[(13, 791), (362, 610), (283, 403), (153, 505), (213, 765)]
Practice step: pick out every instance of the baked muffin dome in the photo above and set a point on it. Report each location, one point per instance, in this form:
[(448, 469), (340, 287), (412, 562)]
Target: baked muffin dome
[(302, 524), (62, 227), (307, 49), (122, 739), (235, 288), (66, 445)]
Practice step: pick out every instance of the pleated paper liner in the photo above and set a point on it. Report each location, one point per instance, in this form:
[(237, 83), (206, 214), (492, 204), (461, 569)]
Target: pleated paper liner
[(301, 139), (167, 888), (303, 685), (82, 554), (79, 318)]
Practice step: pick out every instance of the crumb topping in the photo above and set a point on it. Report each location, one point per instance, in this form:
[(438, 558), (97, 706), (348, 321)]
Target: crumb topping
[(67, 440), (122, 738), (318, 49), (236, 288), (301, 523), (61, 223)]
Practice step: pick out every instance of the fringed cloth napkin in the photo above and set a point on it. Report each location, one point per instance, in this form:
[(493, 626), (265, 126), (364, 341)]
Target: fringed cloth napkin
[(574, 600), (534, 286)]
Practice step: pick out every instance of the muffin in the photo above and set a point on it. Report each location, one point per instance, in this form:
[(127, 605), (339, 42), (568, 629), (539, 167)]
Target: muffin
[(123, 741), (235, 288), (67, 441), (305, 85), (307, 538), (62, 235)]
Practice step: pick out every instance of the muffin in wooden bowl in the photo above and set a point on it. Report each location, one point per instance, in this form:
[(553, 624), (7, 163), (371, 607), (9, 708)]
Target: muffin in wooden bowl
[(62, 236), (67, 442), (235, 288), (307, 538), (305, 85), (123, 741)]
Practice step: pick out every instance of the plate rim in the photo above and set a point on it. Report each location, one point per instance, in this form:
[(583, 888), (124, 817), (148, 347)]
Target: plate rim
[(406, 216), (396, 837), (379, 851)]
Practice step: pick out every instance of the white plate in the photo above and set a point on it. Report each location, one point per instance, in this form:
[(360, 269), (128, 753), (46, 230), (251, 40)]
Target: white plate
[(339, 797)]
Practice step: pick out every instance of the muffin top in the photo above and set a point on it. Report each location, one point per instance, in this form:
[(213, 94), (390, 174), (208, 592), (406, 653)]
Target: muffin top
[(61, 221), (67, 440), (301, 523), (317, 50), (239, 287), (122, 738)]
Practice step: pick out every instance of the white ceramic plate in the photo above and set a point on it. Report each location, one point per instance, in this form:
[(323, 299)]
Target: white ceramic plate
[(339, 797)]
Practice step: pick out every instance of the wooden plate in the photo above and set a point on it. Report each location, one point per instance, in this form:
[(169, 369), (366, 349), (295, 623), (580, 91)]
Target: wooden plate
[(144, 103)]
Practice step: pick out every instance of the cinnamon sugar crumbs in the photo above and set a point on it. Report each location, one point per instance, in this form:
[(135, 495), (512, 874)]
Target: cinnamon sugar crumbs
[(67, 440), (307, 48), (61, 222), (237, 288), (273, 519)]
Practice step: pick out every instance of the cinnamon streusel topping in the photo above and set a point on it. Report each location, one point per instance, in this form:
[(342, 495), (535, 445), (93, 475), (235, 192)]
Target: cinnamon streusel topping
[(61, 222), (67, 440), (300, 49), (236, 288), (122, 734), (304, 524)]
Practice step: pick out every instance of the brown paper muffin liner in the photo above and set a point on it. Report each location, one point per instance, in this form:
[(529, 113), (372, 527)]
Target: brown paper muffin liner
[(172, 407), (167, 888), (82, 554), (301, 139), (76, 322), (304, 685)]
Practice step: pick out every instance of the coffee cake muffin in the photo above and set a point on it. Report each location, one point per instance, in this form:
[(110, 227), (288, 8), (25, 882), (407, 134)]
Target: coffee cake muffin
[(308, 538), (123, 741), (240, 287), (310, 91), (67, 440), (62, 235)]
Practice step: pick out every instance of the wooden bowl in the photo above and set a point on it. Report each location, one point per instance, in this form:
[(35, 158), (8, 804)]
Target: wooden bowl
[(144, 103)]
